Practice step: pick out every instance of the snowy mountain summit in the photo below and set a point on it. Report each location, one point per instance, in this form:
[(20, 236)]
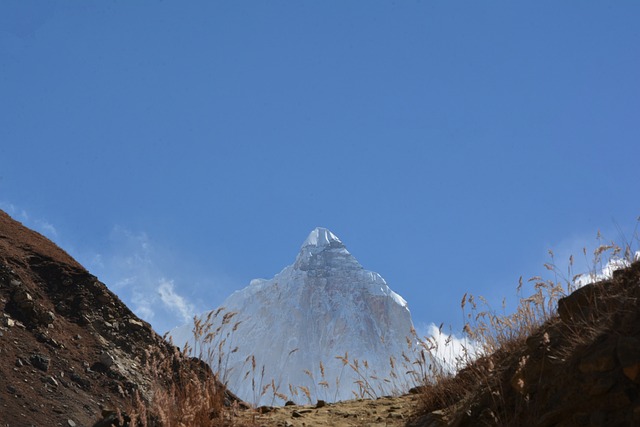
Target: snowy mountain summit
[(321, 237), (323, 328)]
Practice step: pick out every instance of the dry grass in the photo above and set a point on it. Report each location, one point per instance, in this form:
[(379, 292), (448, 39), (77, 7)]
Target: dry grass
[(492, 349), (185, 393), (370, 385), (213, 337), (496, 341), (188, 395)]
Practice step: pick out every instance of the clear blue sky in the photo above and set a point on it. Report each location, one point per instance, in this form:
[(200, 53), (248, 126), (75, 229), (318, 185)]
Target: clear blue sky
[(180, 149)]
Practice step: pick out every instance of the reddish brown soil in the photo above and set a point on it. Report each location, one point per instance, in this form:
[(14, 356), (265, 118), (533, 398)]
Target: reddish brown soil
[(52, 309)]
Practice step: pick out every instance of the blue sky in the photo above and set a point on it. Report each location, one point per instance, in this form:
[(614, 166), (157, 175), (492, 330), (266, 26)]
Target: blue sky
[(180, 149)]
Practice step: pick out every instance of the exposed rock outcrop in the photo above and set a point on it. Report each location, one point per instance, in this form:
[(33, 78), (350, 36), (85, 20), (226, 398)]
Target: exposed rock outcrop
[(581, 368), (69, 348)]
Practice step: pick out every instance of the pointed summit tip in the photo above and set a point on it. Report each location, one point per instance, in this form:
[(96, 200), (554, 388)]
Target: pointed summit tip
[(321, 237)]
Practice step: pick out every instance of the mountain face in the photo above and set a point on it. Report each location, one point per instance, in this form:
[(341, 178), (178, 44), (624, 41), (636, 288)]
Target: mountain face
[(323, 328)]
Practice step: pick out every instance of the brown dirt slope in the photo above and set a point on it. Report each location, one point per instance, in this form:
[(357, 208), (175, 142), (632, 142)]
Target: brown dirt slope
[(581, 368), (69, 347)]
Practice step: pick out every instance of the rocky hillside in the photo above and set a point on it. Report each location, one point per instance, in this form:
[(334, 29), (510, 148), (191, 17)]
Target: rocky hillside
[(70, 350), (581, 368), (71, 353)]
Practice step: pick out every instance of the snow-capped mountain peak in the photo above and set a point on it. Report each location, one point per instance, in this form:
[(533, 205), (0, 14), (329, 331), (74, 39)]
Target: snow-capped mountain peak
[(323, 250), (321, 238), (295, 327)]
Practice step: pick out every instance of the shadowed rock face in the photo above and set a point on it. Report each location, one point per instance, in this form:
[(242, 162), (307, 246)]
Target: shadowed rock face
[(324, 305), (68, 346), (580, 368)]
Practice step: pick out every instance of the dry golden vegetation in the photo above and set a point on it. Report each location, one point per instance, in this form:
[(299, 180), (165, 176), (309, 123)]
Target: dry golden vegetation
[(494, 384), (484, 379), (186, 393), (184, 396), (213, 343)]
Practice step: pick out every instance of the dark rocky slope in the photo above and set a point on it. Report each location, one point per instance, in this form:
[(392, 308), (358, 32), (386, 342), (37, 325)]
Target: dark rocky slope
[(581, 368), (69, 348)]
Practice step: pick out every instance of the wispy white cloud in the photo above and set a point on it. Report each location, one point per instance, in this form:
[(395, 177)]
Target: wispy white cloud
[(606, 272), (579, 260), (175, 302), (451, 351), (46, 228), (97, 261), (12, 210), (133, 267), (143, 303)]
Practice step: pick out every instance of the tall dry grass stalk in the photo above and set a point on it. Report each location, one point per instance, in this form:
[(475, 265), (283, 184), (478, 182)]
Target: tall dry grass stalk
[(493, 340), (185, 393), (213, 338)]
